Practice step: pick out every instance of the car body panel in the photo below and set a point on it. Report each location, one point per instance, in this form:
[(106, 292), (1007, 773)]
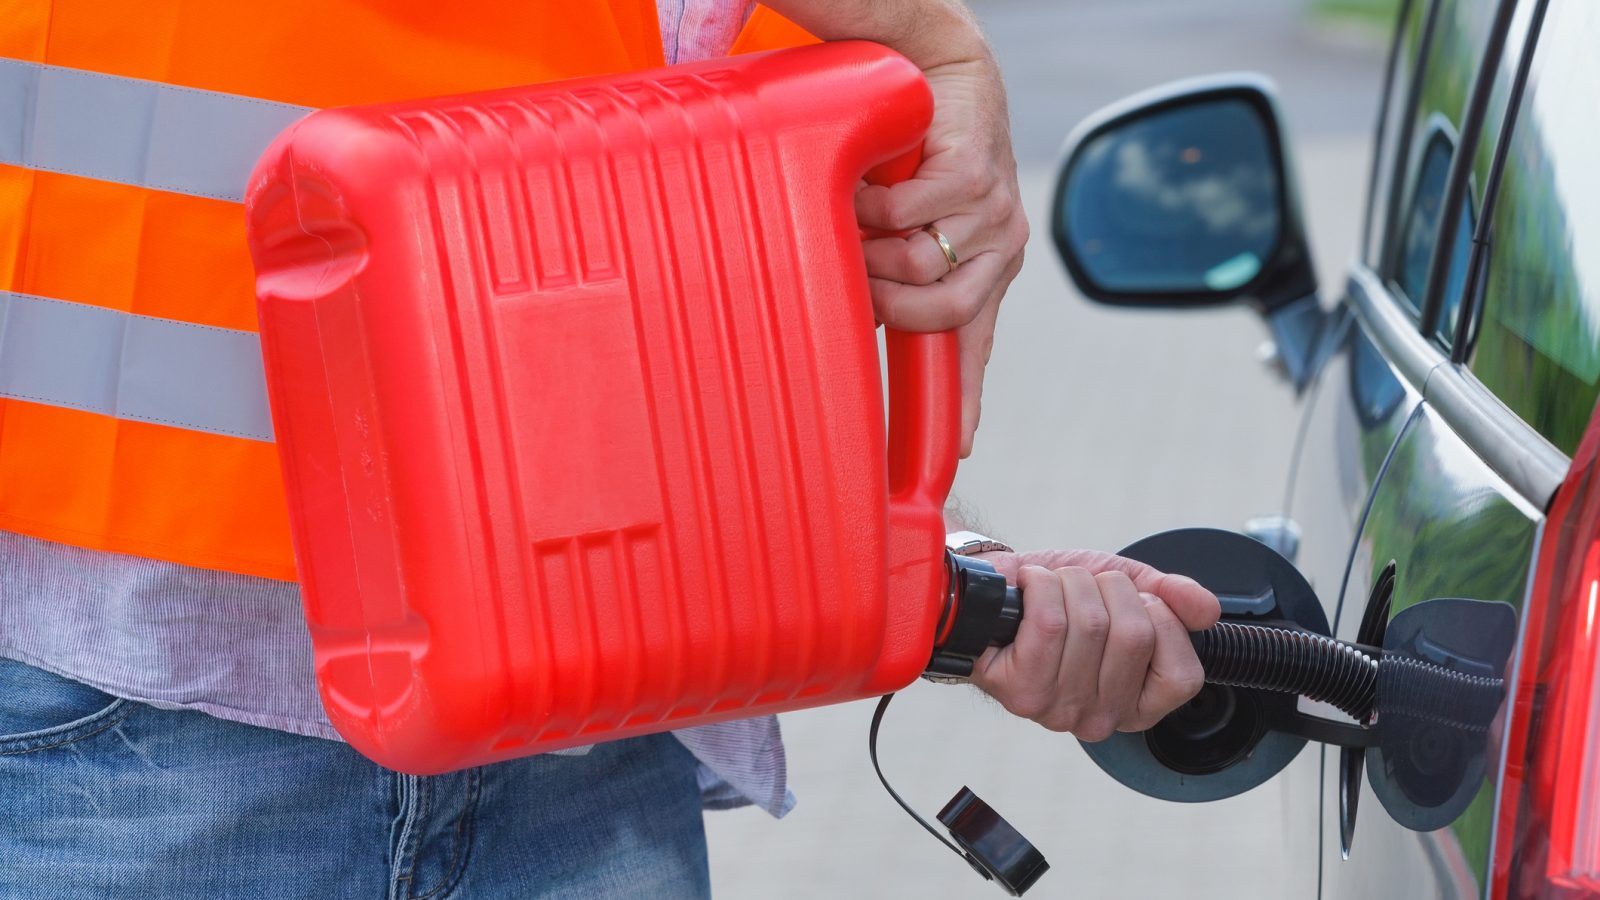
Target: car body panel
[(1457, 504), (1453, 528), (1354, 411)]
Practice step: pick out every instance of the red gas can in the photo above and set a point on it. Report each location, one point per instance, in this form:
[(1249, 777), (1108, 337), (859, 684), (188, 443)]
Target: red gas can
[(578, 401)]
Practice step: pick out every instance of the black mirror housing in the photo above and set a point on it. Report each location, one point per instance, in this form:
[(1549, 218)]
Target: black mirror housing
[(1184, 197)]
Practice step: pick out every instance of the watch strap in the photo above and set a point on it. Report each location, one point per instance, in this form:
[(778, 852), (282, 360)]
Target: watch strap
[(971, 543)]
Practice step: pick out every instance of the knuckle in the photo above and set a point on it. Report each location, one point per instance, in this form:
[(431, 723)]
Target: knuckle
[(871, 208), (1024, 231), (897, 212), (1074, 573), (968, 304), (1029, 575), (1188, 682), (1134, 636), (926, 270), (1050, 621), (982, 183), (1094, 624), (1113, 579), (1063, 720), (883, 262), (885, 300)]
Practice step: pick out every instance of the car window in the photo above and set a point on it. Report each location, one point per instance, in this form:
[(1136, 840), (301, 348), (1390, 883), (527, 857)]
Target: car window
[(1537, 343), (1460, 35), (1422, 222), (1444, 328), (1447, 322), (1408, 42)]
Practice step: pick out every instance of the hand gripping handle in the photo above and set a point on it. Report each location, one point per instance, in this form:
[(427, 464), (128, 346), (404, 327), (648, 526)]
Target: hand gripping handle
[(924, 394)]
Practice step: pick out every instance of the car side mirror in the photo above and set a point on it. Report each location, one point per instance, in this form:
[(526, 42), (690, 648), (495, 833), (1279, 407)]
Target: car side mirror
[(1183, 197)]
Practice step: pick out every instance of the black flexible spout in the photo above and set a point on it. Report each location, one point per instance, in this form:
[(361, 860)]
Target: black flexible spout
[(1296, 662), (1348, 677)]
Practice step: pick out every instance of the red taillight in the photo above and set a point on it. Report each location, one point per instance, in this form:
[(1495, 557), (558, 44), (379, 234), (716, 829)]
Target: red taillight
[(1547, 843)]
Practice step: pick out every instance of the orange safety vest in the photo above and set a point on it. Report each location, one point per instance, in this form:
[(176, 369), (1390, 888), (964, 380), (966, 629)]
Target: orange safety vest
[(132, 412)]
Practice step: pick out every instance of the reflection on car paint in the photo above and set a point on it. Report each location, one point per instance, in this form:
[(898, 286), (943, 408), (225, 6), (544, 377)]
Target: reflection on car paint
[(1454, 530), (1537, 345)]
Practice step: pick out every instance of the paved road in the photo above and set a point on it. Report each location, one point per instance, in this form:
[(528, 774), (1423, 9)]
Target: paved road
[(1099, 427)]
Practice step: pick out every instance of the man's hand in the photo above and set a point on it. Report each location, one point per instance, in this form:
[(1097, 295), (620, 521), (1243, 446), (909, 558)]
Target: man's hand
[(966, 187), (1103, 645)]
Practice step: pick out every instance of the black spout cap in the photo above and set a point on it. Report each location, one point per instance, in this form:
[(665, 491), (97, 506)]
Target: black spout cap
[(992, 846), (980, 609)]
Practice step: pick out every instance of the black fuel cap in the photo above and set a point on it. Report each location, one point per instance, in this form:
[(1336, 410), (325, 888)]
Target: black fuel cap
[(992, 846)]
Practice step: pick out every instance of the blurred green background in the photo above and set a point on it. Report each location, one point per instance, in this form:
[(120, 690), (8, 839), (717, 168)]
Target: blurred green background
[(1375, 13)]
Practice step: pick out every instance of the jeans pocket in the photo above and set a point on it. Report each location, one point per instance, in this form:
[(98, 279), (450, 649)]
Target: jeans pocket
[(40, 709)]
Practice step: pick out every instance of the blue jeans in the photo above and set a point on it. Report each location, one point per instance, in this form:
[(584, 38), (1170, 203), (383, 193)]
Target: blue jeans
[(101, 797)]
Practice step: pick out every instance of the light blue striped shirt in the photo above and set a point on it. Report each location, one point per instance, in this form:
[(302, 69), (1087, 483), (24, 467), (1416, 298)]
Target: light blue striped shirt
[(236, 647)]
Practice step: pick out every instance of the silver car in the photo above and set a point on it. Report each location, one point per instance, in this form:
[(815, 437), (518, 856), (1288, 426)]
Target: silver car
[(1446, 486)]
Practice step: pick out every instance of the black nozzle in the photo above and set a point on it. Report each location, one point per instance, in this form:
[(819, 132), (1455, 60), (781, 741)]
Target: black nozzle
[(980, 609)]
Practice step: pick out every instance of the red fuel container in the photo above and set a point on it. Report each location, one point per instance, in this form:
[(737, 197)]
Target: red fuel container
[(579, 406)]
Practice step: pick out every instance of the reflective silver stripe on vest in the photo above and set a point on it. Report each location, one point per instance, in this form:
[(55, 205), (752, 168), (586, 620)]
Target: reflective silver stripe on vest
[(132, 131), (133, 367)]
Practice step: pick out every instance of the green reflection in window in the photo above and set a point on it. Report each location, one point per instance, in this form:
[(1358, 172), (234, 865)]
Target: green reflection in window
[(1538, 346)]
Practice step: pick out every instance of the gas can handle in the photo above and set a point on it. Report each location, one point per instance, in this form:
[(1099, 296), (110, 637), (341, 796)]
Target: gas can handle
[(924, 415), (924, 392)]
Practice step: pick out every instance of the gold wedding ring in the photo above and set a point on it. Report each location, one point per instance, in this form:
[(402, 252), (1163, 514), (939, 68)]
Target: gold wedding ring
[(944, 244)]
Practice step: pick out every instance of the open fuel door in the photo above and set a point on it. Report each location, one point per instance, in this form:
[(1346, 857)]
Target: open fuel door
[(1410, 697)]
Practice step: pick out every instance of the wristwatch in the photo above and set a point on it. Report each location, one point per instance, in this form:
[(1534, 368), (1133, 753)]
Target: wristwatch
[(971, 543)]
